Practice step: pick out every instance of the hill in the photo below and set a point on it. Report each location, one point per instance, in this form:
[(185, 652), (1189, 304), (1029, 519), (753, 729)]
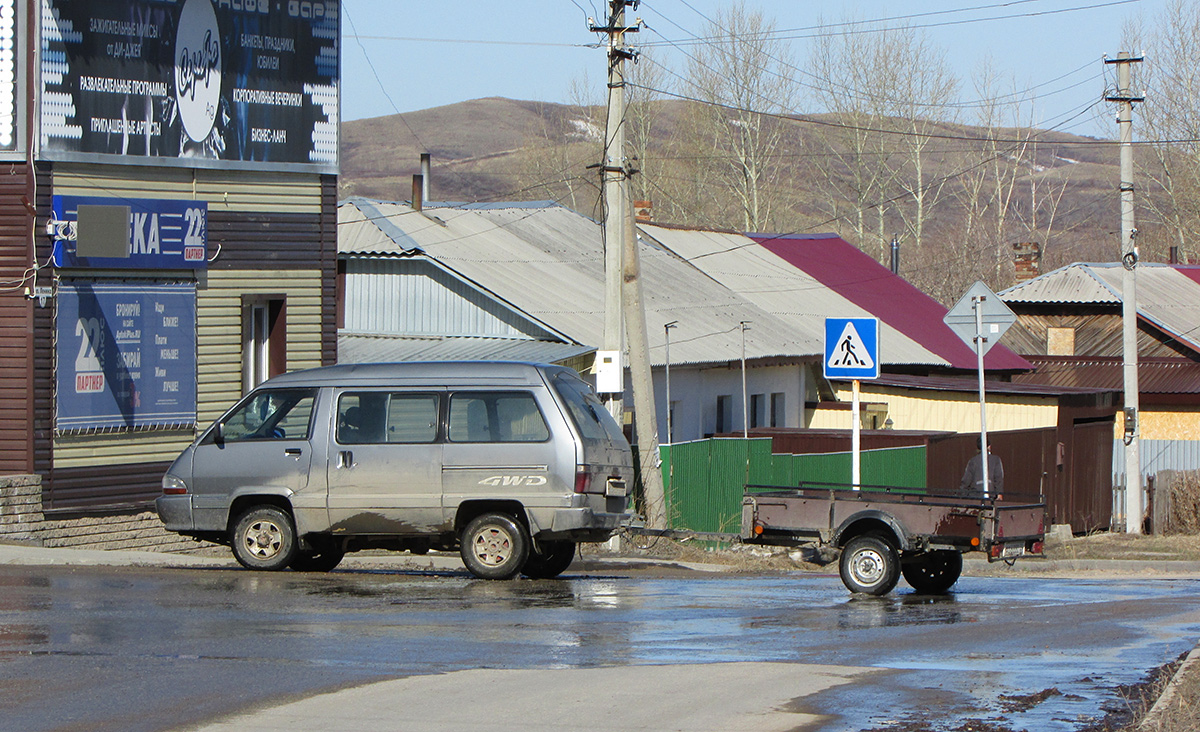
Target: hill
[(982, 192)]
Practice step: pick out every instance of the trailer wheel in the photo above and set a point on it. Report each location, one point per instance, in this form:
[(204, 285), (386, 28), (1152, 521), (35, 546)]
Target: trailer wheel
[(870, 565), (933, 573)]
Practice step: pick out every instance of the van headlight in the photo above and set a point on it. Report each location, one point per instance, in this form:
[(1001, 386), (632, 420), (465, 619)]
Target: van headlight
[(174, 486)]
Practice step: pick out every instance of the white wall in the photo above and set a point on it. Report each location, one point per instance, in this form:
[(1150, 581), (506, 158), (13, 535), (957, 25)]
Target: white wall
[(695, 390)]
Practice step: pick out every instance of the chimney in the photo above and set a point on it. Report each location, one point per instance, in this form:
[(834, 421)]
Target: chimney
[(895, 255), (1027, 260), (426, 177), (643, 211), (418, 186), (1175, 255)]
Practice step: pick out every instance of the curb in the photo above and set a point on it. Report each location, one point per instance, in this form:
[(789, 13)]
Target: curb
[(1151, 721)]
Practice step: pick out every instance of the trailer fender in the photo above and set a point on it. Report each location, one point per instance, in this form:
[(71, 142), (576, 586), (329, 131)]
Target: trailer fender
[(872, 522)]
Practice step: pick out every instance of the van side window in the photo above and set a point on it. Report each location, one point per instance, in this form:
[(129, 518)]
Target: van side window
[(508, 416), (278, 414), (381, 417)]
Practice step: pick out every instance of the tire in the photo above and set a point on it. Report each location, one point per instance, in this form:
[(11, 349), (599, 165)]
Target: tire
[(869, 565), (323, 557), (264, 538), (494, 546), (933, 573), (552, 561)]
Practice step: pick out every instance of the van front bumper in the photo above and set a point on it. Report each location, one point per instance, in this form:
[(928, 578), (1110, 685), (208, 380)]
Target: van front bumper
[(175, 512)]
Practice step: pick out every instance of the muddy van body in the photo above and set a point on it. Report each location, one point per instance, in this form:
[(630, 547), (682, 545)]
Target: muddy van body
[(512, 464)]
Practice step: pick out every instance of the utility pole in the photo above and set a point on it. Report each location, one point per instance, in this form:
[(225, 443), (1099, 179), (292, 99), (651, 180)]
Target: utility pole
[(623, 286), (614, 172), (1125, 100)]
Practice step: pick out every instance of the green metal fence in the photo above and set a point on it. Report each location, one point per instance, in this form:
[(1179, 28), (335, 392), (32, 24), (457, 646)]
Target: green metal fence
[(705, 479)]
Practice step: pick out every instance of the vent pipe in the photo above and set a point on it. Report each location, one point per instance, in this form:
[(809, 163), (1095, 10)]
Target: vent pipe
[(1175, 255), (895, 255), (426, 177), (418, 188)]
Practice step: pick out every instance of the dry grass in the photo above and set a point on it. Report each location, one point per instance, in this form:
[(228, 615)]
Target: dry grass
[(1126, 546)]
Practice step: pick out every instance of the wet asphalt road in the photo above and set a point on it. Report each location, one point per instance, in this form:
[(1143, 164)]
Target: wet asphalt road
[(155, 649)]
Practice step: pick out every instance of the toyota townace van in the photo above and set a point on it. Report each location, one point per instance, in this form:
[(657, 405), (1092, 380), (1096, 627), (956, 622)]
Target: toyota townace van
[(512, 464)]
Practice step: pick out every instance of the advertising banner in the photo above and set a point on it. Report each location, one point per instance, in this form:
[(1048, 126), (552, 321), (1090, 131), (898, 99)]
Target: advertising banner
[(163, 234), (196, 83), (126, 355)]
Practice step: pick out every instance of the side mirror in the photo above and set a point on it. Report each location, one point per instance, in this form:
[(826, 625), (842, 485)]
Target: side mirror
[(219, 434)]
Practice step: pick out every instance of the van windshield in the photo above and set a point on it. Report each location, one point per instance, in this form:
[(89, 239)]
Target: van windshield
[(590, 416)]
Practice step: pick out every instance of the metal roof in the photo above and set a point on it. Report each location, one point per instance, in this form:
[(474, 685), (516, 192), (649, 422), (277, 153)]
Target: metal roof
[(547, 262), (364, 348), (1155, 375), (1168, 296), (805, 278)]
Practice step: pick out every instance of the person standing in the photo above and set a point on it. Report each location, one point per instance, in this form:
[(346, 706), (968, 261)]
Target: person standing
[(972, 480)]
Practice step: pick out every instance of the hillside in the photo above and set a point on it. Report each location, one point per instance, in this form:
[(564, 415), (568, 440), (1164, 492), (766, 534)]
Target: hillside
[(1061, 192)]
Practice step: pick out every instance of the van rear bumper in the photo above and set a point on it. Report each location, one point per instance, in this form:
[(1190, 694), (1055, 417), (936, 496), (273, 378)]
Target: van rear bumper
[(175, 512), (583, 524)]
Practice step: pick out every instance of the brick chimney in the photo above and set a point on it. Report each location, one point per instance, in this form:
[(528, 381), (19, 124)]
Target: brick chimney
[(643, 212), (1027, 260)]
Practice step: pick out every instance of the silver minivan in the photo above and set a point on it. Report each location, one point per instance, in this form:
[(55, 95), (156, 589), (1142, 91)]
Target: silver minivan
[(511, 463)]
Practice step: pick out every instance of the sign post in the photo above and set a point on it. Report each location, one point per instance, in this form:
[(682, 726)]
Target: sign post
[(980, 318), (852, 352)]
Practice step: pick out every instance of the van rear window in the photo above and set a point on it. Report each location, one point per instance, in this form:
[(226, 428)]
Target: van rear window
[(496, 416), (588, 413)]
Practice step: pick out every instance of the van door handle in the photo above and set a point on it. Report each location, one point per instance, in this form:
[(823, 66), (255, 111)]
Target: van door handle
[(345, 459), (292, 451)]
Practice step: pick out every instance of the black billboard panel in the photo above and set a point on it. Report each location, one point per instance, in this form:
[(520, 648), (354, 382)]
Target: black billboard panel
[(195, 83)]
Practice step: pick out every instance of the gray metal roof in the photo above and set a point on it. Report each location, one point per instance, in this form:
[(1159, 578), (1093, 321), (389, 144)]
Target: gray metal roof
[(548, 263), (786, 291), (363, 348), (1167, 296)]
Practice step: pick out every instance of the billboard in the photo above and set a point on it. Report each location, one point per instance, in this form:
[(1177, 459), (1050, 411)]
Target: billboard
[(196, 83), (126, 355), (163, 233)]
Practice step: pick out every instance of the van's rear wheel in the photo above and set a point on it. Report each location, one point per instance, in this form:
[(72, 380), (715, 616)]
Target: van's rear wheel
[(551, 561), (933, 573), (869, 565), (323, 557), (494, 546), (264, 538)]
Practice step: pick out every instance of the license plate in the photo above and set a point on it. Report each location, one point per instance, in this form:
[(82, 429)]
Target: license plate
[(615, 488), (1013, 550)]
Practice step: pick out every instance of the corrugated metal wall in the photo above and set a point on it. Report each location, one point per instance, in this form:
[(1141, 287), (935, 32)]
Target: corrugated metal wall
[(277, 235), (415, 297), (705, 479), (1156, 455), (16, 324)]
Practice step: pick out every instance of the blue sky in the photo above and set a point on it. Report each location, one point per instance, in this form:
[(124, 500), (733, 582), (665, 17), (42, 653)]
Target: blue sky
[(404, 55)]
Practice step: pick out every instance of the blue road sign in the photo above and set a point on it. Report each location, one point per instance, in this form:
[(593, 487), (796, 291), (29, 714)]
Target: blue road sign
[(851, 348)]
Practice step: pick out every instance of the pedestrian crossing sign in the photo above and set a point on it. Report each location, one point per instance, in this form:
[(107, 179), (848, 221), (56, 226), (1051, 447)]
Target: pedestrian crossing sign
[(851, 348)]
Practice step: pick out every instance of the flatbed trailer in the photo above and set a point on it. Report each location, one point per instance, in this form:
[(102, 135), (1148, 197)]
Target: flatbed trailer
[(887, 532)]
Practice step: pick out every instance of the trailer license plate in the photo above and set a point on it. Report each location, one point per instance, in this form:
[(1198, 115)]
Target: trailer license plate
[(1013, 550)]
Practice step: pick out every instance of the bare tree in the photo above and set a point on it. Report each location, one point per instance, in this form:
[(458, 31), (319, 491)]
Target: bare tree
[(744, 76)]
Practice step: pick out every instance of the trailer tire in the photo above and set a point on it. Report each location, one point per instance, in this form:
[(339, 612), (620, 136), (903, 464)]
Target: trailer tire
[(933, 573), (870, 565)]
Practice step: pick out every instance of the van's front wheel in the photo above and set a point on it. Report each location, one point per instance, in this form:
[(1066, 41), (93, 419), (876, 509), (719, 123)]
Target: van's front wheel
[(494, 546), (264, 538)]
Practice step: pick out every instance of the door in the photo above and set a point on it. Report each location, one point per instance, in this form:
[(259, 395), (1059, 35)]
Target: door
[(385, 463), (498, 446), (261, 446)]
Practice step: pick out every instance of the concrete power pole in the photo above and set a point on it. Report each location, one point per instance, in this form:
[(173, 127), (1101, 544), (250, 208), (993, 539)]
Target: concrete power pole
[(1129, 259), (623, 286)]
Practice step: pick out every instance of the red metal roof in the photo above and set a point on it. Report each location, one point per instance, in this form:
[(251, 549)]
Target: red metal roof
[(1155, 375), (833, 262)]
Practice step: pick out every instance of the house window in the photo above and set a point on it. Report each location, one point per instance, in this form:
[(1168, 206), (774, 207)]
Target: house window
[(264, 339), (758, 410), (724, 413), (777, 417)]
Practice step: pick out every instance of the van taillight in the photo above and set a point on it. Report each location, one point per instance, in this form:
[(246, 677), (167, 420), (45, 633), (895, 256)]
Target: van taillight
[(583, 479)]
